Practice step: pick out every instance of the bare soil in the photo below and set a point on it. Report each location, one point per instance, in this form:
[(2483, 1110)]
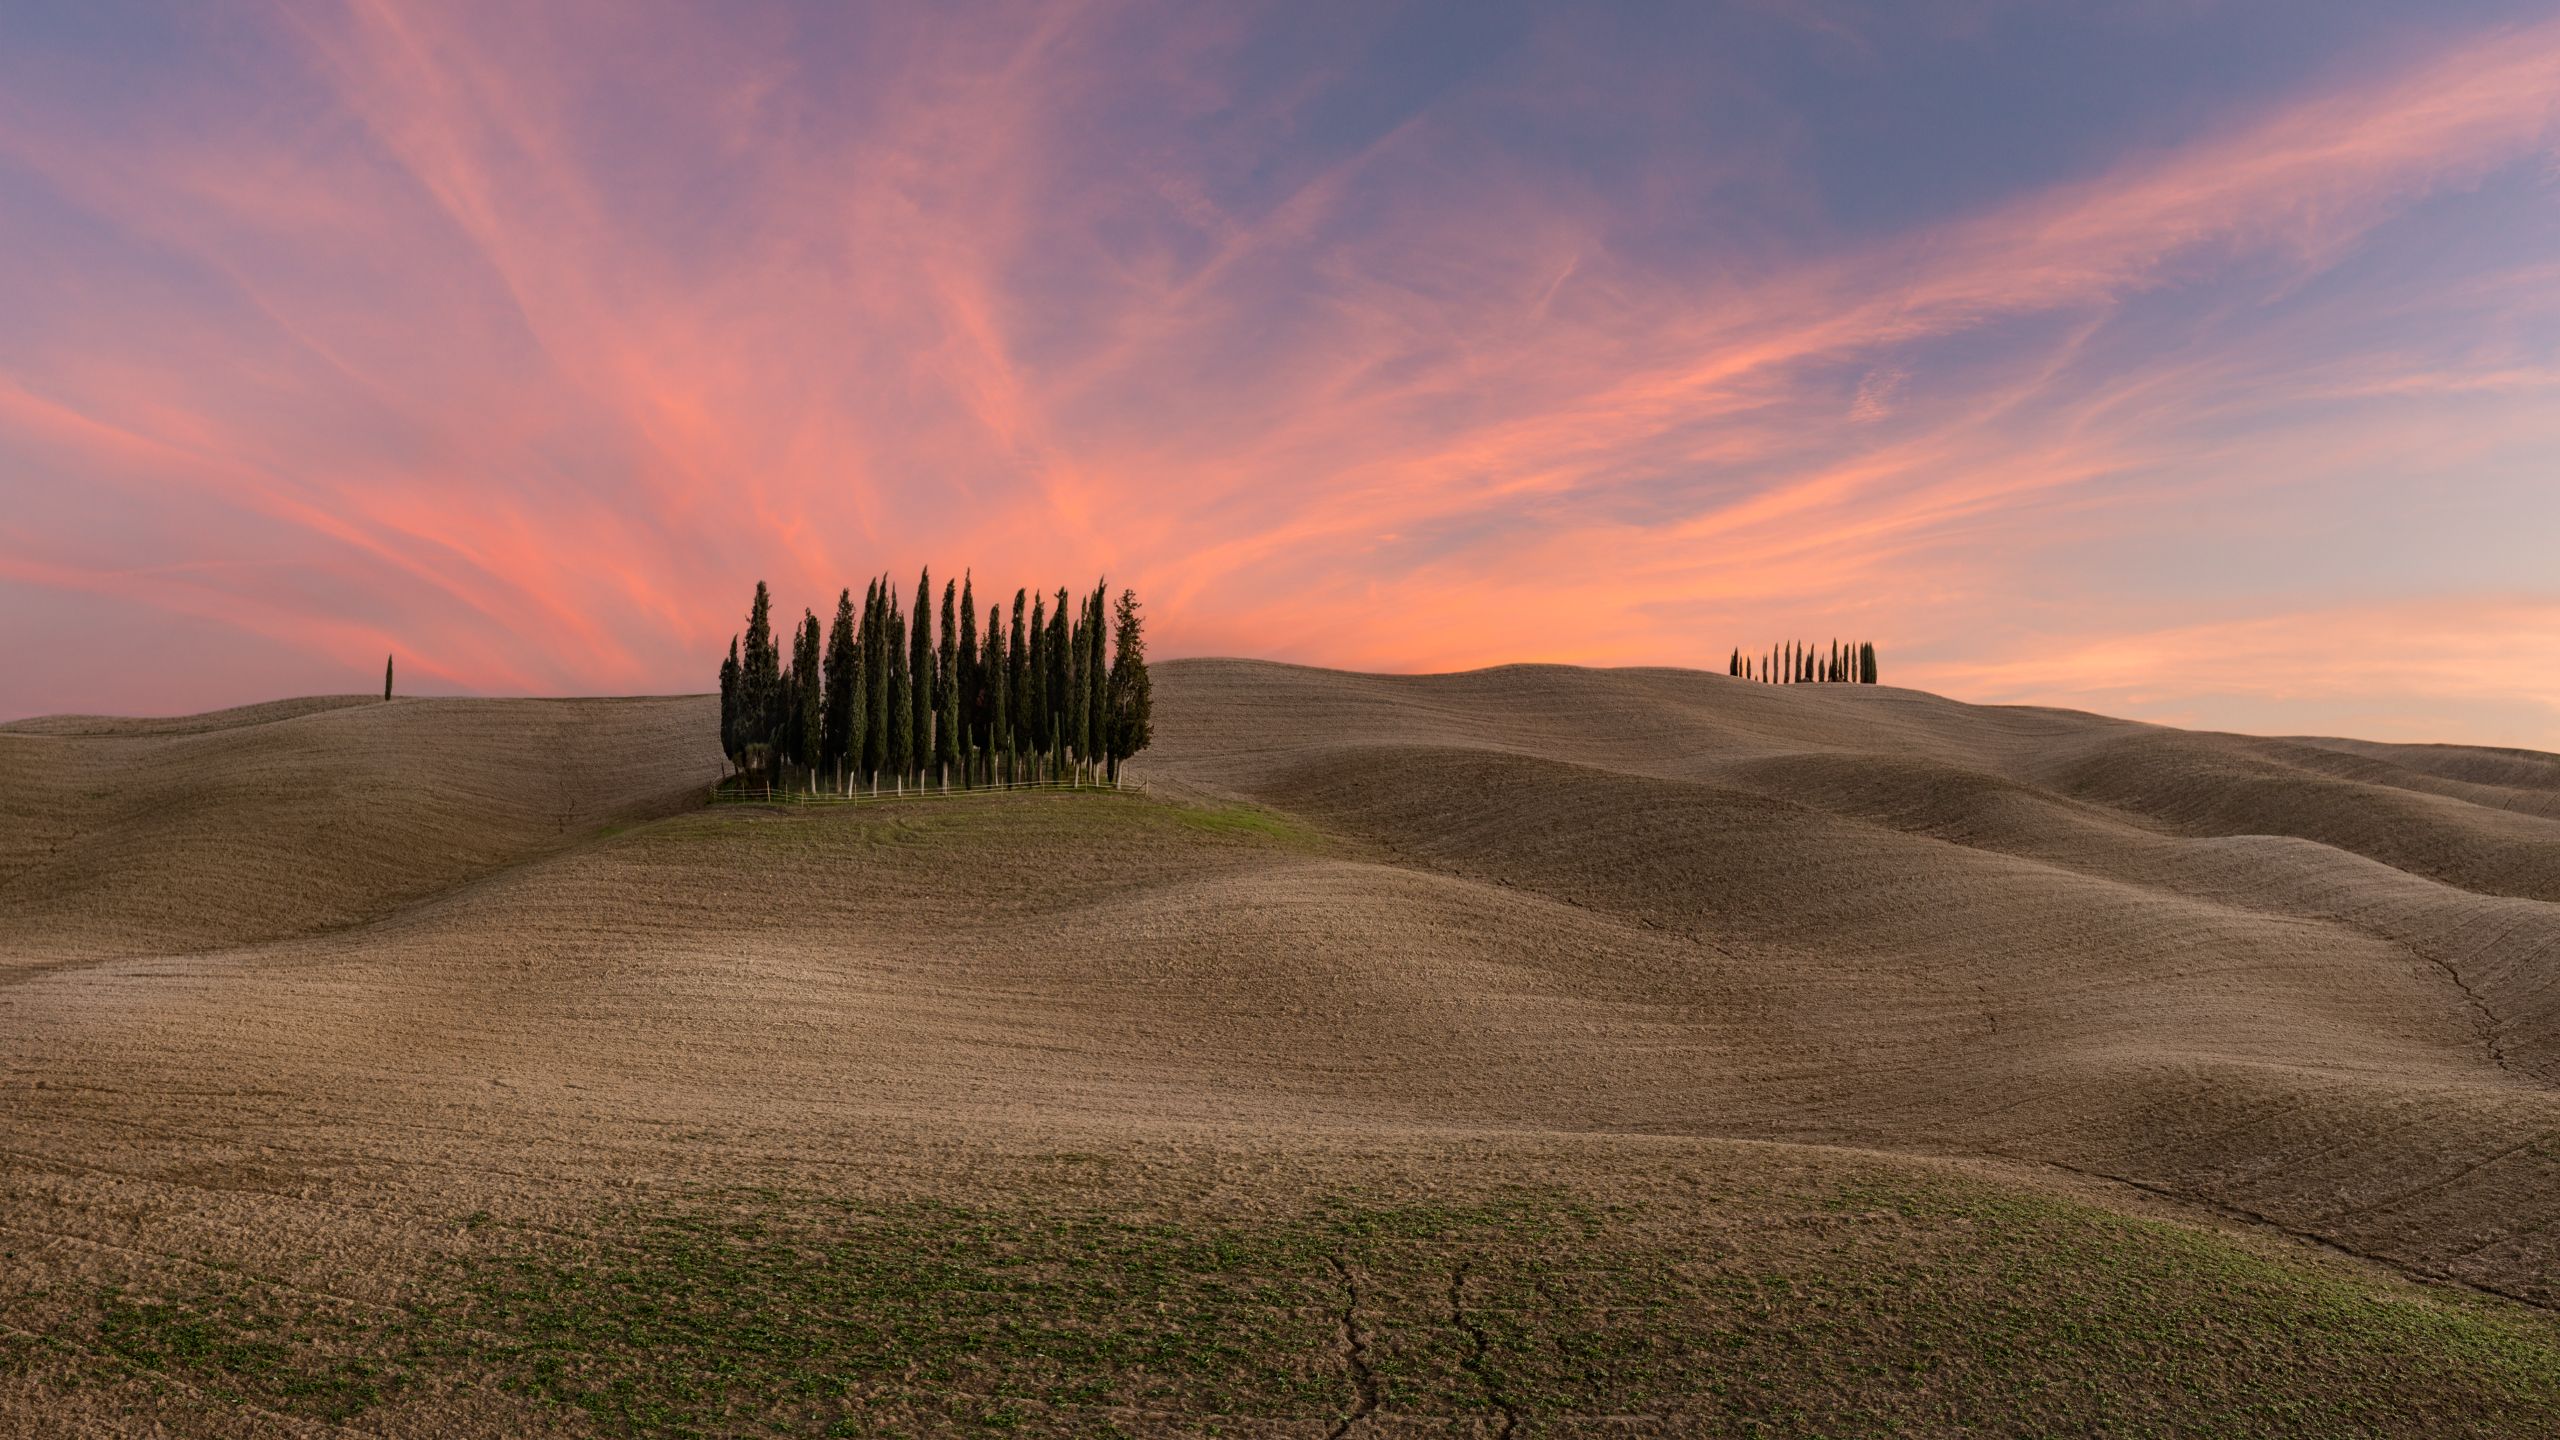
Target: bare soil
[(1530, 1051)]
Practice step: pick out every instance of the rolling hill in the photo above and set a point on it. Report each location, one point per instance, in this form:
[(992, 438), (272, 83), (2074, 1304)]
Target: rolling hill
[(1533, 1050)]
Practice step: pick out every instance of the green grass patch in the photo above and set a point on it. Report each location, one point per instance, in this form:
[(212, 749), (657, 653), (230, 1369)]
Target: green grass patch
[(1883, 1306)]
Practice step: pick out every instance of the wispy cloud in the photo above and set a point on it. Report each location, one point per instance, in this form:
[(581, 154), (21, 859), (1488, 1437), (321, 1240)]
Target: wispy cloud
[(537, 336)]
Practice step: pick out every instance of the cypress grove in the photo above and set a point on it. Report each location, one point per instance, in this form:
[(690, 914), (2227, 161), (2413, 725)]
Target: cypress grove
[(879, 698), (1800, 662)]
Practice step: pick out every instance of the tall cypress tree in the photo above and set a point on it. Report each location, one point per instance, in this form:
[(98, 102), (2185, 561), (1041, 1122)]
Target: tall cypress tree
[(972, 706), (1017, 663), (1866, 663), (843, 689), (1061, 669), (809, 704), (1036, 736), (875, 684), (1071, 695), (1132, 697), (902, 715), (759, 676), (946, 693), (991, 677), (920, 676), (729, 704), (1097, 681)]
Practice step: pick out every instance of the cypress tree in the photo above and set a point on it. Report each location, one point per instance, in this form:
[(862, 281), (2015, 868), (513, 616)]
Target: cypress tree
[(1071, 720), (875, 684), (973, 698), (1097, 681), (759, 676), (808, 704), (777, 709), (991, 677), (729, 705), (946, 693), (1866, 663), (920, 677), (1017, 661), (1036, 735), (1060, 692), (902, 715), (843, 689), (1132, 698), (386, 677)]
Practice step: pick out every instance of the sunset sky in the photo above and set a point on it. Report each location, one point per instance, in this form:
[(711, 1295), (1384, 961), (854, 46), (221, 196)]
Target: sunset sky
[(2198, 363)]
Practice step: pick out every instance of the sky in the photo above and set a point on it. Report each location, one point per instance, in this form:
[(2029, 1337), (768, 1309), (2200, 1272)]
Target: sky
[(2191, 361)]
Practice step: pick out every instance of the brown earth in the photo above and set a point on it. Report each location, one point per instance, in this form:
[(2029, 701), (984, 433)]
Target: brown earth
[(291, 992)]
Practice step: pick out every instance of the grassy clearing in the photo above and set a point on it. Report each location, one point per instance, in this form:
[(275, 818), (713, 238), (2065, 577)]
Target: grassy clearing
[(1886, 1305)]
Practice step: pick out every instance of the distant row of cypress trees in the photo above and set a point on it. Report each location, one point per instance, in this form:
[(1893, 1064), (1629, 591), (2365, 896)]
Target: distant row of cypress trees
[(1798, 663), (882, 699)]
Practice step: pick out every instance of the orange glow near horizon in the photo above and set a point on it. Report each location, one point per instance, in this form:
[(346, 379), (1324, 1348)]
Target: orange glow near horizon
[(523, 346)]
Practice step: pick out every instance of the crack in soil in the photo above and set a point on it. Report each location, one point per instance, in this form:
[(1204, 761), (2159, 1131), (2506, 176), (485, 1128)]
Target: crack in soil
[(1355, 1354), (1479, 1347), (2229, 1210), (2484, 1019)]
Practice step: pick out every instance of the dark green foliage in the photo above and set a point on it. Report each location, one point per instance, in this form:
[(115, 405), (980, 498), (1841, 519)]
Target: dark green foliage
[(972, 686), (920, 678), (902, 714), (759, 675), (803, 695), (844, 688), (386, 677), (998, 729), (872, 695), (729, 703), (1017, 666), (1797, 662), (1036, 690), (1061, 684), (875, 683), (1097, 679), (1132, 707), (946, 691)]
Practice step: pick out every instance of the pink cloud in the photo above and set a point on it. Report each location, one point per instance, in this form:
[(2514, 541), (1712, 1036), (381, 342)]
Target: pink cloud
[(549, 423)]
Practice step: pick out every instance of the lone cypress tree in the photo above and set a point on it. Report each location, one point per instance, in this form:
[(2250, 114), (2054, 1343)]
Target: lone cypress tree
[(920, 676), (1132, 697), (729, 705), (386, 677), (844, 690)]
